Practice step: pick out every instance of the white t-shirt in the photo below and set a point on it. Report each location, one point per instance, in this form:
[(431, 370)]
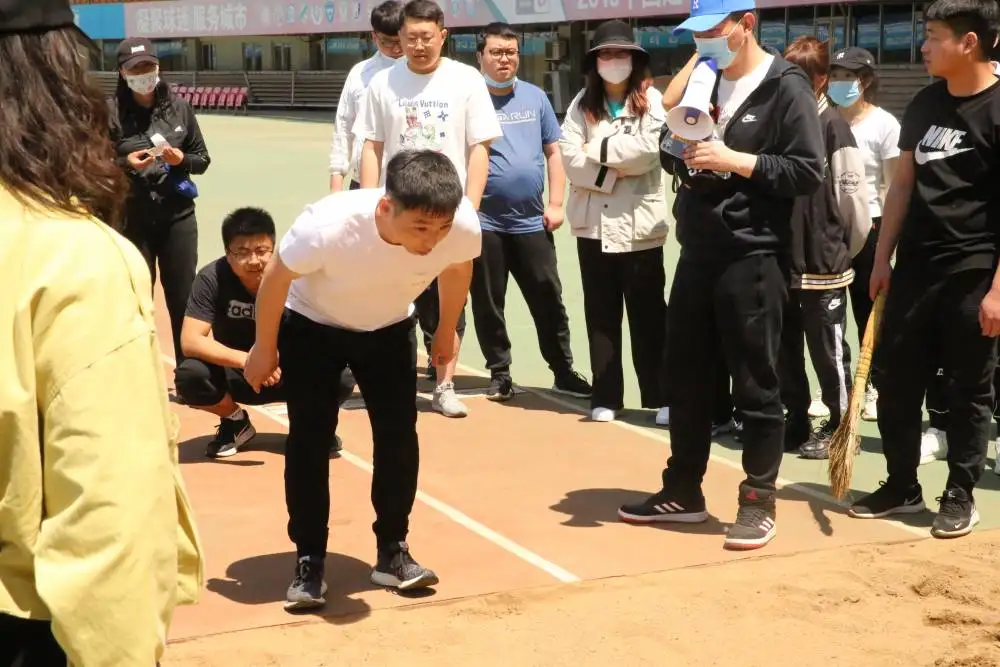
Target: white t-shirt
[(446, 111), (877, 135), (353, 279), (732, 94)]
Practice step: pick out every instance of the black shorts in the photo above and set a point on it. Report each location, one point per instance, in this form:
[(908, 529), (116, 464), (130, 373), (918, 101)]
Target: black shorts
[(200, 384)]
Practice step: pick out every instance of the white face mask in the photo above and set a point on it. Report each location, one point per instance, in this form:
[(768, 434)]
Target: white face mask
[(614, 71), (143, 84)]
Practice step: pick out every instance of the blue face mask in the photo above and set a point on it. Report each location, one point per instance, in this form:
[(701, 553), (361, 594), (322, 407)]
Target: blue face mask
[(716, 48), (499, 84), (844, 93)]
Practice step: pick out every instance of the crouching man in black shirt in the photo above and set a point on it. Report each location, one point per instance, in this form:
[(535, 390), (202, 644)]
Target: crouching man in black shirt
[(219, 330), (733, 206), (944, 294)]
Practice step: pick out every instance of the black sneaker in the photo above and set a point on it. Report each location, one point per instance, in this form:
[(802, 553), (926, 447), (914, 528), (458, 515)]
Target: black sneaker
[(572, 383), (230, 435), (666, 506), (501, 389), (307, 588), (432, 373), (817, 447), (797, 431), (888, 500), (956, 516), (723, 428), (337, 445), (754, 526), (738, 430), (397, 569)]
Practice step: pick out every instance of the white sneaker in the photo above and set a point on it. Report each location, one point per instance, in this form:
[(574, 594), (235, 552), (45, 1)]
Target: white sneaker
[(818, 409), (933, 445), (602, 415), (446, 401), (663, 417), (870, 412)]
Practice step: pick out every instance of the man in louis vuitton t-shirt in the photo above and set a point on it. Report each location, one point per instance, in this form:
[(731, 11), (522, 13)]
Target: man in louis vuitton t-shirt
[(944, 290)]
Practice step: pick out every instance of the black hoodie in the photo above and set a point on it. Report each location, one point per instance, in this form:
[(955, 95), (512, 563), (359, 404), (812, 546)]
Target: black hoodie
[(723, 217)]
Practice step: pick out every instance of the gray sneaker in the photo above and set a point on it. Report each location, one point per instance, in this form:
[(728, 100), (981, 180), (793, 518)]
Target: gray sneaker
[(307, 588), (446, 401)]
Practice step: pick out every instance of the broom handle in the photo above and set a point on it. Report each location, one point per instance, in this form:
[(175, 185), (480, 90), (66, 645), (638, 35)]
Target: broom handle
[(868, 344)]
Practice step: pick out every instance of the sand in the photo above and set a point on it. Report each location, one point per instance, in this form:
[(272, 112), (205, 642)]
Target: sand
[(920, 603)]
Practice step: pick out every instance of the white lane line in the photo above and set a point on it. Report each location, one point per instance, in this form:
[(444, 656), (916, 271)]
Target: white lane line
[(780, 482), (447, 510)]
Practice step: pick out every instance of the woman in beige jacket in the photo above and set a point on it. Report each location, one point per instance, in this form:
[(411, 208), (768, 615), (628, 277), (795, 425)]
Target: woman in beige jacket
[(617, 212), (97, 539)]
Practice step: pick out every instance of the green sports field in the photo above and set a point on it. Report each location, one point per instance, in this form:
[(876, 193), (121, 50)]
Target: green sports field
[(281, 165)]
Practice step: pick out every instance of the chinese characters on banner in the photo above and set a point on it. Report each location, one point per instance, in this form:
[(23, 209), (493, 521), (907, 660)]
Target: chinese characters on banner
[(220, 18), (607, 9)]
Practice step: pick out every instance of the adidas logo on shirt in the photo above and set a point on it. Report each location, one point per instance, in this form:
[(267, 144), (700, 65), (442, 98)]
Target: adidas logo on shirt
[(939, 143)]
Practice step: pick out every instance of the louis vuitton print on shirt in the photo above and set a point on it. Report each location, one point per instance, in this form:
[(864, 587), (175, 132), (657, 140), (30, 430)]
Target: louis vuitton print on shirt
[(951, 224)]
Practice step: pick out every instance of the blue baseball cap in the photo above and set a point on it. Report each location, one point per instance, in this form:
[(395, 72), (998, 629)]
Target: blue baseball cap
[(706, 14)]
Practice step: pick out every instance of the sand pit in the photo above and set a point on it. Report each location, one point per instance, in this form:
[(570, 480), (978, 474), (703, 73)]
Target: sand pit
[(917, 603)]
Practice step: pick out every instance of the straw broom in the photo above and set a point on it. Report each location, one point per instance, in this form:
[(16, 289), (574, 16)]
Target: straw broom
[(846, 440)]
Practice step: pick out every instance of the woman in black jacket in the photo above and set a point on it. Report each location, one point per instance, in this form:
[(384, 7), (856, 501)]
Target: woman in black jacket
[(159, 145)]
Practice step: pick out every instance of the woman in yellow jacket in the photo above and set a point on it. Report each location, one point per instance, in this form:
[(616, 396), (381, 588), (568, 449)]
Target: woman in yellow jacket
[(617, 212), (97, 543)]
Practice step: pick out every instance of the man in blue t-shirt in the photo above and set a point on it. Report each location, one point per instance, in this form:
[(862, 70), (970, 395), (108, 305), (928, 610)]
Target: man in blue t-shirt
[(518, 224)]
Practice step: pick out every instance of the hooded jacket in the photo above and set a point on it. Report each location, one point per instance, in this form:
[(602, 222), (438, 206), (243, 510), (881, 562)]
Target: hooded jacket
[(724, 217), (830, 226), (154, 195)]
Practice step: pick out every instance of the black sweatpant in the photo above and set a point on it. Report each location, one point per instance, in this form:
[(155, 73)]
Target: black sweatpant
[(173, 246), (820, 318), (313, 357), (864, 261), (26, 643), (611, 282), (920, 310), (739, 303), (427, 308), (531, 259)]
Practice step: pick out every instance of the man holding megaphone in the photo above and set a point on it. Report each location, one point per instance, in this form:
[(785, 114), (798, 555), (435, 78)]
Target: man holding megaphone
[(738, 175)]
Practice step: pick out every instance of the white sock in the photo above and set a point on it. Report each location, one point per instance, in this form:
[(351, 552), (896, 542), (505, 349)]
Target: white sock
[(237, 415)]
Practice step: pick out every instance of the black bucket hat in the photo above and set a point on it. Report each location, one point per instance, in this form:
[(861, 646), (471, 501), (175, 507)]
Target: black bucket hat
[(614, 34)]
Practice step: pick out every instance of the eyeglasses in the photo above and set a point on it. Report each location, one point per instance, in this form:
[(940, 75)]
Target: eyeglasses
[(244, 255), (388, 42), (500, 53), (413, 40)]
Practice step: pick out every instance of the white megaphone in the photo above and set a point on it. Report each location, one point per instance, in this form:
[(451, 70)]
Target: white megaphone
[(690, 120)]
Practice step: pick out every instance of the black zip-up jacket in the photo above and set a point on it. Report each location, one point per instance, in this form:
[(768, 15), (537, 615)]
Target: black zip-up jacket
[(154, 196), (723, 217), (830, 226)]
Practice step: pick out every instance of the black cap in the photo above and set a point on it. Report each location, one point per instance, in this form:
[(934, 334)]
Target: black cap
[(134, 51), (853, 58), (612, 34), (21, 16)]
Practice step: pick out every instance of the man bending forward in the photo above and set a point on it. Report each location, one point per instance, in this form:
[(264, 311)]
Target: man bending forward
[(342, 288)]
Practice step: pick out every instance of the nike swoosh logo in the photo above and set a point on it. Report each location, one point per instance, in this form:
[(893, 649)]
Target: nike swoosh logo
[(922, 157)]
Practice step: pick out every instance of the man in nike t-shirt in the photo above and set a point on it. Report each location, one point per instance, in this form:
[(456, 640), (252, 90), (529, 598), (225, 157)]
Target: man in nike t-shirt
[(945, 291)]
